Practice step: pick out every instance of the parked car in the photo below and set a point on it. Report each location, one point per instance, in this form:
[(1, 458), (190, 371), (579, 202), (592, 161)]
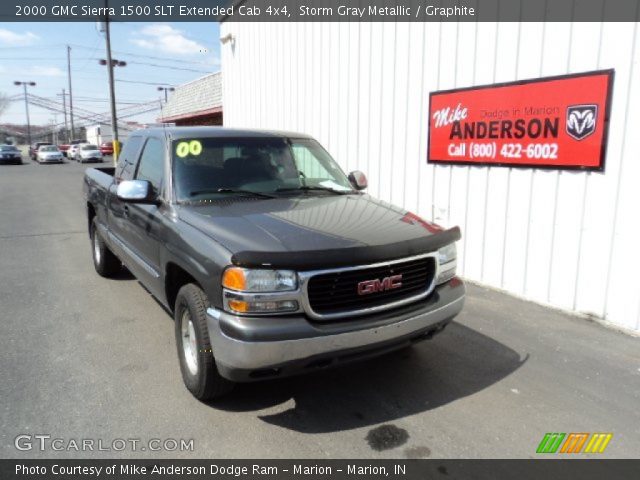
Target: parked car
[(88, 153), (64, 148), (33, 149), (73, 150), (10, 154), (49, 154), (106, 148), (272, 260)]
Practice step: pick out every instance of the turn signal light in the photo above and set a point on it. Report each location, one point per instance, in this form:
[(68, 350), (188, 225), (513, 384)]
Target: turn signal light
[(234, 279), (239, 306)]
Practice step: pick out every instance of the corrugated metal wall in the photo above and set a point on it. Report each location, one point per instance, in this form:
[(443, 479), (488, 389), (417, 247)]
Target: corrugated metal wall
[(567, 239)]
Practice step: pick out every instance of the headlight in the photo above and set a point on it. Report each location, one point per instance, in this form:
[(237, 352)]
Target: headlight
[(242, 304), (447, 263), (259, 291), (246, 280), (447, 254)]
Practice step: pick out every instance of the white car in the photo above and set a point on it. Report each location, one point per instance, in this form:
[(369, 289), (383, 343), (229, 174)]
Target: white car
[(88, 153), (49, 154), (73, 150)]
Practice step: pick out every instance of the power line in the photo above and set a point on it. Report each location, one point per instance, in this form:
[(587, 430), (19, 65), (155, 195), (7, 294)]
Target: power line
[(39, 47), (169, 67), (106, 101), (127, 102), (179, 79), (88, 59), (142, 83), (101, 99), (25, 59), (93, 53), (151, 57), (73, 133), (117, 52)]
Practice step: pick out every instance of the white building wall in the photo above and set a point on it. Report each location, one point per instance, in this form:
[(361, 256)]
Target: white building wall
[(563, 238)]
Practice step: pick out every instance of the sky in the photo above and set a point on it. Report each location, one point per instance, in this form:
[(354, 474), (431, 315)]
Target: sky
[(156, 54)]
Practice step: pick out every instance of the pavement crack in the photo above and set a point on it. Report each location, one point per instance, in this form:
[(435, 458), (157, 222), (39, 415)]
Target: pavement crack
[(25, 235)]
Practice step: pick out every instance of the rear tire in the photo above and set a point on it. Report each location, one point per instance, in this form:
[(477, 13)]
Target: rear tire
[(104, 261), (197, 364)]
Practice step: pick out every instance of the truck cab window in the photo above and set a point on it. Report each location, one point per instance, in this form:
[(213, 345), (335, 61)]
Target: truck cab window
[(309, 164), (151, 167), (128, 157)]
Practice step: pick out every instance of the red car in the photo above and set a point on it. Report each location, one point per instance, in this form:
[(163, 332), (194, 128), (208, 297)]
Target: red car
[(106, 148), (64, 148)]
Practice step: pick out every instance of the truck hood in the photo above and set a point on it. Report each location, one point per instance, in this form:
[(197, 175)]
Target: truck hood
[(314, 230)]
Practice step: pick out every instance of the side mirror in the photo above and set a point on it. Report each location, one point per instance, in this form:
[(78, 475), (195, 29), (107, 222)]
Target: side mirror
[(135, 191), (358, 180)]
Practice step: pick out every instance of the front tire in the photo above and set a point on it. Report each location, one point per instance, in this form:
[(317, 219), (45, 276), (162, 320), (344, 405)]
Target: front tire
[(104, 261), (197, 364)]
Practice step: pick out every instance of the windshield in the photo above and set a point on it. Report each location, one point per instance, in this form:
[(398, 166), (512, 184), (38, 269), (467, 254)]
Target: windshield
[(49, 148), (8, 148), (89, 147), (216, 167)]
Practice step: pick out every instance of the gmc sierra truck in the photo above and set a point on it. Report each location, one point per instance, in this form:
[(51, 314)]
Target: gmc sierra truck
[(272, 261)]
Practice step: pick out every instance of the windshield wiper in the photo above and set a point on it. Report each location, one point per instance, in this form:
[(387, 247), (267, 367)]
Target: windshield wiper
[(307, 188), (232, 190)]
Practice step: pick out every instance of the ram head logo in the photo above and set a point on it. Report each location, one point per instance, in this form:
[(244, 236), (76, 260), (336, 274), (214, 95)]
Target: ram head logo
[(581, 120)]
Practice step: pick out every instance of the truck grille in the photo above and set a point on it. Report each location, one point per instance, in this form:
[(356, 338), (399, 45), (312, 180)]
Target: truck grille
[(335, 294)]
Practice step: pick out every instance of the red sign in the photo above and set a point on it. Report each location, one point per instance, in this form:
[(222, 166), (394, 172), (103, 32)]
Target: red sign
[(553, 122)]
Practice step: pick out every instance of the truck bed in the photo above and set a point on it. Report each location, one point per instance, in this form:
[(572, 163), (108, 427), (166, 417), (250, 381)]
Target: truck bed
[(97, 182), (110, 171)]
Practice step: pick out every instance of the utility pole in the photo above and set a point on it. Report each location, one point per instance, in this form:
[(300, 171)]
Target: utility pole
[(64, 111), (112, 91), (26, 106), (73, 133), (54, 129)]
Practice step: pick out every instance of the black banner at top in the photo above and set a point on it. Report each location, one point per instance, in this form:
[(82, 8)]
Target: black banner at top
[(320, 10)]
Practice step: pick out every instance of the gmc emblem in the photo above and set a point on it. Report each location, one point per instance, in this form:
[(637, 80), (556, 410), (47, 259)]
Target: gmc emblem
[(377, 285)]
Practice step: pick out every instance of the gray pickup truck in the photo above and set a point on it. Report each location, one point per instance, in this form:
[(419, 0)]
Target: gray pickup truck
[(271, 259)]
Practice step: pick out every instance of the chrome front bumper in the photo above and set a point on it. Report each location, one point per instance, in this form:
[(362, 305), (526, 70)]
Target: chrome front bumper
[(248, 348)]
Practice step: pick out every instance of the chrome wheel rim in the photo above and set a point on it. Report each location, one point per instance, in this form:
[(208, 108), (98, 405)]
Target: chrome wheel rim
[(189, 343), (97, 255)]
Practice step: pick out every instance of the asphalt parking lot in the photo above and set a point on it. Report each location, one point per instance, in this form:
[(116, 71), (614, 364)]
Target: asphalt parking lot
[(86, 357)]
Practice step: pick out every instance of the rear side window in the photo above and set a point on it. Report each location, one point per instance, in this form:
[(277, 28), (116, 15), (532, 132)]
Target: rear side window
[(151, 167), (128, 157)]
